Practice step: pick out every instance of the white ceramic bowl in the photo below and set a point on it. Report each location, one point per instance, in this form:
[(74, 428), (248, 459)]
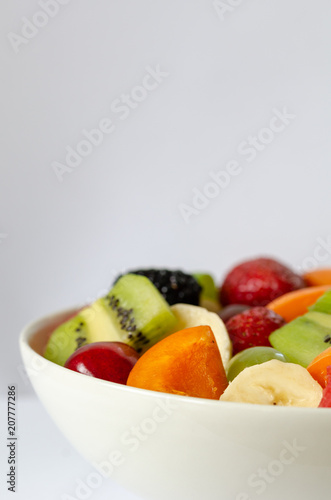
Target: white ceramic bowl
[(163, 446)]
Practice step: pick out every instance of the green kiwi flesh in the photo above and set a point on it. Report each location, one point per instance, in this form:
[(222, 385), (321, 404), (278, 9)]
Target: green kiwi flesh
[(209, 290), (303, 338), (68, 337), (323, 304), (133, 312), (140, 313)]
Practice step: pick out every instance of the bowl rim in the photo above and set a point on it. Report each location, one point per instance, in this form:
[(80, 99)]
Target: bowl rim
[(32, 327)]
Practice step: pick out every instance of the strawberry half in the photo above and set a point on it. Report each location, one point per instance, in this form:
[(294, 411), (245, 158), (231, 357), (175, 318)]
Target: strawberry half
[(252, 328), (257, 282)]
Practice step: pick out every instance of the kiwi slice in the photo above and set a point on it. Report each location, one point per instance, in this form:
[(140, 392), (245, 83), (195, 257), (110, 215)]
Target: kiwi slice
[(68, 337), (323, 304), (209, 294), (209, 290), (140, 314), (92, 324), (133, 312), (304, 338)]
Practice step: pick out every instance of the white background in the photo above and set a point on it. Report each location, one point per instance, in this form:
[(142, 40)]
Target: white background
[(62, 243)]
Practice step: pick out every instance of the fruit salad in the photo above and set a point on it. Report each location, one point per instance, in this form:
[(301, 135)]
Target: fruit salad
[(263, 336)]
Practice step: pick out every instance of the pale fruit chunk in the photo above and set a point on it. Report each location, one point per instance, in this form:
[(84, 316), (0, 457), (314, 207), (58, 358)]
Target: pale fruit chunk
[(189, 316), (274, 383)]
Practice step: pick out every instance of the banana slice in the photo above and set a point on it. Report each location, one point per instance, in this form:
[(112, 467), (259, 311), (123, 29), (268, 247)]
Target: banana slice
[(274, 383), (189, 316)]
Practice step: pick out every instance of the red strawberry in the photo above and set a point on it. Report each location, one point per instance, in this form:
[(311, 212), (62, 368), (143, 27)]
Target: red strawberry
[(326, 398), (257, 282), (252, 328)]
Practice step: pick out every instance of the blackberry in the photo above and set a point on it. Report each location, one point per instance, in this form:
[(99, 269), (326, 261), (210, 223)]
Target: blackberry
[(175, 286)]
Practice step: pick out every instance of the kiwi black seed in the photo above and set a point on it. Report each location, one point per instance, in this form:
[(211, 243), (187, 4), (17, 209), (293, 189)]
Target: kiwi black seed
[(66, 339), (142, 314)]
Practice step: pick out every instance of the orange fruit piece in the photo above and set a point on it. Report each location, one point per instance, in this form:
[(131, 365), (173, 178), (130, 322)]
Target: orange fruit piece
[(318, 367), (187, 362), (318, 277), (294, 304)]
